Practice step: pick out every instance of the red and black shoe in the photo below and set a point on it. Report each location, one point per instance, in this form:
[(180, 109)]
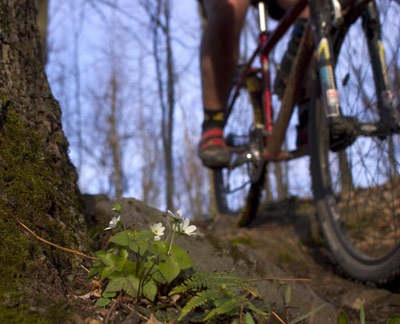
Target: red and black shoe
[(213, 150)]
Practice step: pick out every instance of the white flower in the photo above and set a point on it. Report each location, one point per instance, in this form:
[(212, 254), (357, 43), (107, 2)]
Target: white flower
[(188, 229), (113, 223), (158, 230), (177, 216)]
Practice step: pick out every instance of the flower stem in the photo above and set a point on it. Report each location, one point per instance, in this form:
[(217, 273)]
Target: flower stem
[(170, 243)]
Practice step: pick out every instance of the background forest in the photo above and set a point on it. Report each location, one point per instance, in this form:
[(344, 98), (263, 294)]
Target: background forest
[(126, 76)]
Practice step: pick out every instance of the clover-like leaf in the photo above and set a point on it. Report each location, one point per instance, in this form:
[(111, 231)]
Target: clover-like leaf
[(181, 257), (169, 268), (128, 284), (150, 290), (103, 302), (122, 238)]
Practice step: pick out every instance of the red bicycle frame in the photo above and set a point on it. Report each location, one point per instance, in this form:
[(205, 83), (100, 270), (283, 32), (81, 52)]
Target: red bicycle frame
[(276, 131)]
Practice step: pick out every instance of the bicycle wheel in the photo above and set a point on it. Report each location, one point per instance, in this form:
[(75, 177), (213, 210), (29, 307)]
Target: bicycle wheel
[(357, 189), (237, 190)]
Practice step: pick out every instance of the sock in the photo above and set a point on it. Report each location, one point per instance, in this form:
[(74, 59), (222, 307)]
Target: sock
[(213, 119)]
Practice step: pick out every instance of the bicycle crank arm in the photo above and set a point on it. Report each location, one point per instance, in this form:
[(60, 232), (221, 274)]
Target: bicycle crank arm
[(285, 155), (238, 160)]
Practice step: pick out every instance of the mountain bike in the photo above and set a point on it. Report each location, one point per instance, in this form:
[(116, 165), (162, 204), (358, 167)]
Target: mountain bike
[(351, 49)]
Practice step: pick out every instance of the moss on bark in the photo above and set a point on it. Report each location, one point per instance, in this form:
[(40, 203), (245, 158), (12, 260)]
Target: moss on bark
[(38, 183)]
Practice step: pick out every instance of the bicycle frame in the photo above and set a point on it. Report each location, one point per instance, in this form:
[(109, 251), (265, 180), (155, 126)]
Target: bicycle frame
[(266, 43)]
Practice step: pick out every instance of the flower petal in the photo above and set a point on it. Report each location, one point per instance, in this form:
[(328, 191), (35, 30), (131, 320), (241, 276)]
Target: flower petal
[(113, 223), (186, 222), (190, 230), (179, 213)]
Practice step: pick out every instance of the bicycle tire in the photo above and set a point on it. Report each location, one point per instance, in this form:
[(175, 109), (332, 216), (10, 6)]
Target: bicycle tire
[(235, 193), (357, 189)]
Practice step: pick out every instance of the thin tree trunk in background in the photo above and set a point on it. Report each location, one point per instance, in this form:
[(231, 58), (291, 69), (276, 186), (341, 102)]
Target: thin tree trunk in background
[(42, 21), (114, 141), (267, 187), (281, 177), (346, 177), (161, 34), (171, 107)]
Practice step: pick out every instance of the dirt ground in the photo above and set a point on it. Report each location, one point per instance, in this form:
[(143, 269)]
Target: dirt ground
[(287, 235)]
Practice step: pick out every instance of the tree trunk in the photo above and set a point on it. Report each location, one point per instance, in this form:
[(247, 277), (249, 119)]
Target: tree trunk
[(42, 19), (161, 30), (38, 183)]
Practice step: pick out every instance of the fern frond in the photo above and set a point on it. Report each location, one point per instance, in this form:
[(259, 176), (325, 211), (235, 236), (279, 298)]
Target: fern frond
[(200, 281), (222, 292), (198, 300), (257, 310), (225, 308)]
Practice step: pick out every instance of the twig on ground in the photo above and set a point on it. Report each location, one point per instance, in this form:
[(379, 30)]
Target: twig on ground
[(83, 255)]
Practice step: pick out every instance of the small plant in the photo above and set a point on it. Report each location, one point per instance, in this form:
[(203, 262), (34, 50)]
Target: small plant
[(140, 261), (148, 264)]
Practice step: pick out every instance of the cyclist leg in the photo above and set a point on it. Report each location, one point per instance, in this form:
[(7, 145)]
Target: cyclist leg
[(218, 59)]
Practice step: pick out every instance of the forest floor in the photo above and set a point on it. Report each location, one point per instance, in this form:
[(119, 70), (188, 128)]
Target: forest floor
[(286, 234)]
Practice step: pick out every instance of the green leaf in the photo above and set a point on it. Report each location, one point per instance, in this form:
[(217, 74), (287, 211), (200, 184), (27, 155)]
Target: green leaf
[(106, 272), (106, 258), (102, 302), (110, 266), (108, 294), (288, 295), (144, 235), (139, 246), (150, 290), (362, 315), (395, 319), (155, 274), (122, 238), (181, 257), (159, 249), (248, 319), (343, 318), (117, 208), (129, 267), (169, 269), (128, 284)]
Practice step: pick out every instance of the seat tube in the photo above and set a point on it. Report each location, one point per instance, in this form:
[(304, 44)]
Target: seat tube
[(325, 60), (265, 69)]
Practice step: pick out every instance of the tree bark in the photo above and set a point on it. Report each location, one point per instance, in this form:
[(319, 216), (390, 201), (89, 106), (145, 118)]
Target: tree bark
[(38, 183)]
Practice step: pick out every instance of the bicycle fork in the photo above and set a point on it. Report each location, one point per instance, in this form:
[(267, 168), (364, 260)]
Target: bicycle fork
[(389, 114)]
